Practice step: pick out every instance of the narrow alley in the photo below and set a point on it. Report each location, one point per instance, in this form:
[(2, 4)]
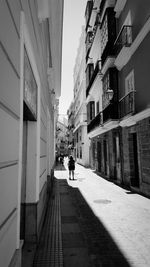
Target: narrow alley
[(74, 85), (93, 222)]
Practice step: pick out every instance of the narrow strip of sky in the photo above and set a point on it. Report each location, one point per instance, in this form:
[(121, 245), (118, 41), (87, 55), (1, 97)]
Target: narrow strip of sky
[(74, 11)]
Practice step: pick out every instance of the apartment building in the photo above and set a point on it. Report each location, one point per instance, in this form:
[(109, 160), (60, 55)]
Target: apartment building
[(30, 79), (93, 81), (120, 131), (81, 141), (70, 134), (133, 62), (61, 138)]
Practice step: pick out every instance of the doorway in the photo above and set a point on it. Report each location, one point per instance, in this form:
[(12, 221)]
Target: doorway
[(93, 155), (99, 156), (133, 159), (117, 163), (105, 157), (23, 180)]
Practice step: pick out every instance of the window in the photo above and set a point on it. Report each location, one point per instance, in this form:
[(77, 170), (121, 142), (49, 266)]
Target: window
[(80, 152), (104, 34), (97, 107), (106, 83), (77, 137), (92, 110), (80, 135), (129, 83), (89, 73), (106, 86)]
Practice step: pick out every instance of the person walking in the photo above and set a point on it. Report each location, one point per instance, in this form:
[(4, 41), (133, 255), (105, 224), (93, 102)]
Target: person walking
[(71, 167)]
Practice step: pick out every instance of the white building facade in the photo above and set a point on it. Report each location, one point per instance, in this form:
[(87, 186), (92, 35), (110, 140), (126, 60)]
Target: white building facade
[(81, 140), (94, 90), (30, 79)]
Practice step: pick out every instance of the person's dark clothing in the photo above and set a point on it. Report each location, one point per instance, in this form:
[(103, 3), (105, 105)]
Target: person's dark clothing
[(71, 164)]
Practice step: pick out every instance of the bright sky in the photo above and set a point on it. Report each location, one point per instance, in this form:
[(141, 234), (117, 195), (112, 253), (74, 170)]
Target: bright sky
[(74, 11)]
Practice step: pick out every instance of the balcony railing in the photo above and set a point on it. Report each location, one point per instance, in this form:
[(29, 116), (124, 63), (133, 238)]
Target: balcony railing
[(110, 112), (95, 72), (88, 12), (88, 45), (124, 38), (89, 40), (96, 122), (127, 104)]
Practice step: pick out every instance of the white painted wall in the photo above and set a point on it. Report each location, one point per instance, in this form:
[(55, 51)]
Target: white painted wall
[(13, 36), (9, 133)]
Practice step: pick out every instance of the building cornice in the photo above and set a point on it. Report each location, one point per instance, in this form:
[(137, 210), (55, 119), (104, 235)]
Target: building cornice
[(79, 125), (133, 119), (104, 128)]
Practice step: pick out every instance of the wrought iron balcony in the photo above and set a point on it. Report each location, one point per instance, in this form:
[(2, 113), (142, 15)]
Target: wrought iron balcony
[(88, 12), (124, 38), (110, 112), (95, 72), (89, 40), (127, 104), (96, 122)]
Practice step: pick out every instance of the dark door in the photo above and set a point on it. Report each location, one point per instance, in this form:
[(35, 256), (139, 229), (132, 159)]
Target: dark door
[(23, 181), (105, 157), (93, 155), (99, 156), (133, 156), (117, 160)]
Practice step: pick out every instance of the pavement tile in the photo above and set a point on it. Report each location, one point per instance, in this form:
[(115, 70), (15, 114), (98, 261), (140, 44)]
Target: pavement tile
[(70, 228), (72, 240), (76, 257)]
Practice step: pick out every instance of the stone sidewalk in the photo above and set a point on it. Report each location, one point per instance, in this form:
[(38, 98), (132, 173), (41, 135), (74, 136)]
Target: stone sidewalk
[(91, 222), (62, 243)]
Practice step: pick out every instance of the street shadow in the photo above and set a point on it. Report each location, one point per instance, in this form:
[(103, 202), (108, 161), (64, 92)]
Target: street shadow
[(102, 248)]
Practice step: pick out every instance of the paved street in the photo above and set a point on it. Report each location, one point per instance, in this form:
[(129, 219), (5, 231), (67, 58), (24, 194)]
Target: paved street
[(114, 221)]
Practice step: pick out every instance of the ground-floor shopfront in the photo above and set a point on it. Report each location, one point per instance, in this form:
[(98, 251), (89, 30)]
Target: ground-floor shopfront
[(105, 154), (81, 150), (122, 155)]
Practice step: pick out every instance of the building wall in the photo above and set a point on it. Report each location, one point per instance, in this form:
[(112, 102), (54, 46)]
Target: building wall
[(9, 125), (144, 147), (19, 27), (81, 151), (139, 14), (140, 63), (143, 137)]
